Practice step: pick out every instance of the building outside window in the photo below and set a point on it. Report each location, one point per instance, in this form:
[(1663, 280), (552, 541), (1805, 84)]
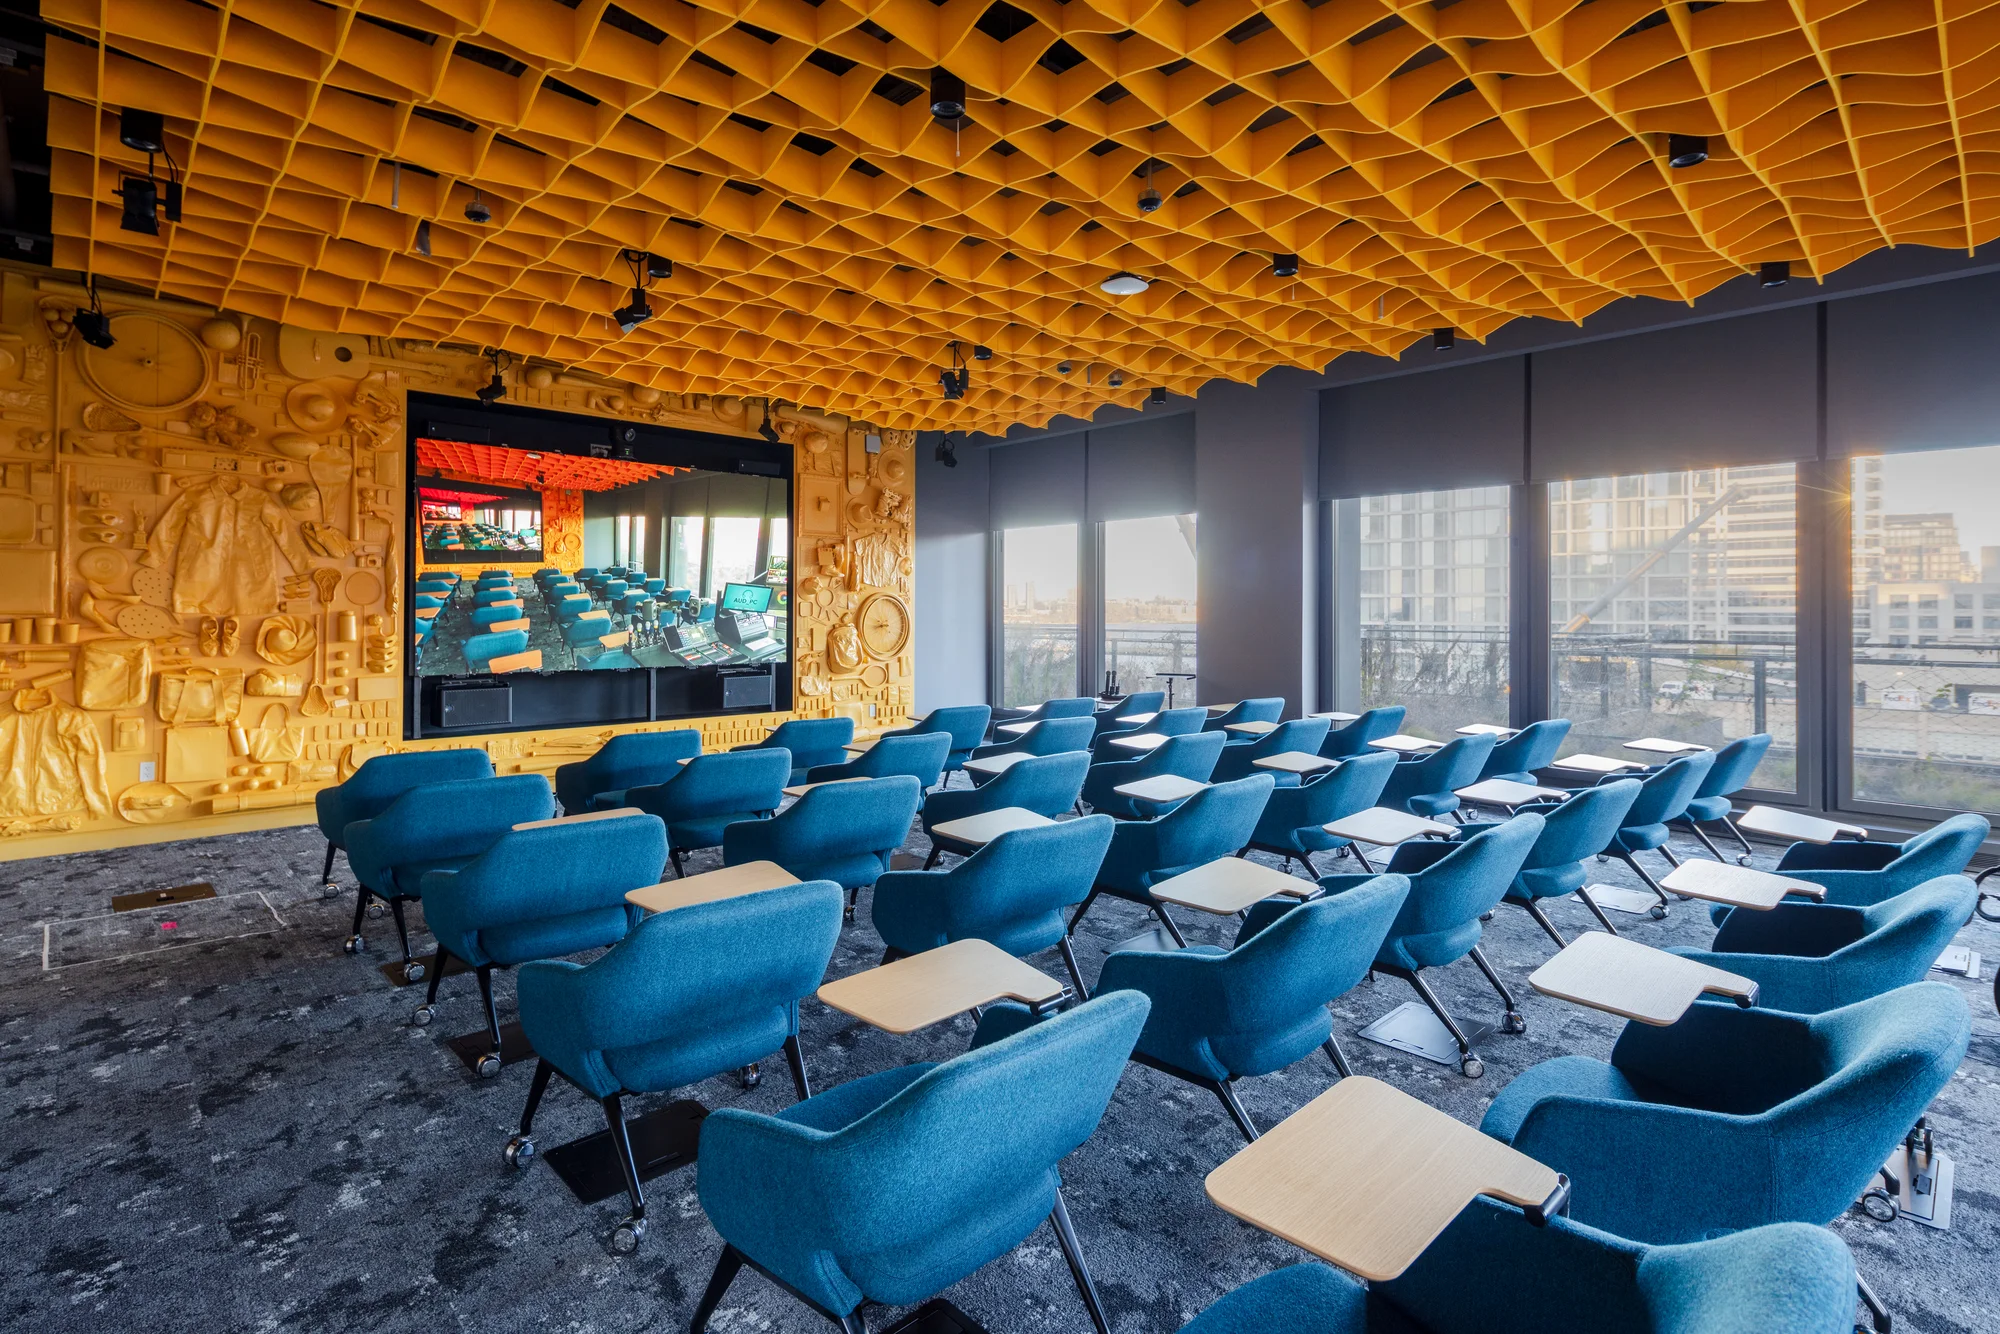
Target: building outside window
[(1038, 614), (684, 534), (1926, 708), (1674, 608), (1149, 600), (732, 556), (1434, 606)]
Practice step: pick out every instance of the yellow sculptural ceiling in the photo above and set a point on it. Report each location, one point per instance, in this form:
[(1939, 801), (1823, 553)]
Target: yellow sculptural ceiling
[(1431, 164)]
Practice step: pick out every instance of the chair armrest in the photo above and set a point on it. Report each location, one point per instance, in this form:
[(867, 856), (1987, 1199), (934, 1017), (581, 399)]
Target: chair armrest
[(1803, 930), (748, 841), (760, 1187), (1845, 855), (1784, 981), (1340, 884)]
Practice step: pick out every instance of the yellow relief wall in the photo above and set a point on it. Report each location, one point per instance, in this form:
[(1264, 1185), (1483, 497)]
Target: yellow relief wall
[(202, 556)]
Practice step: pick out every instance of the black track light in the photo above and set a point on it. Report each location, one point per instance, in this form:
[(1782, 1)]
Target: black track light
[(946, 452), (1687, 150), (142, 204), (1149, 200), (1284, 266), (1158, 398), (1117, 379), (1443, 340), (646, 267), (424, 237), (1776, 273), (1064, 368), (956, 379), (477, 211), (947, 96), (980, 352), (496, 388), (142, 131), (630, 317), (93, 326), (658, 266)]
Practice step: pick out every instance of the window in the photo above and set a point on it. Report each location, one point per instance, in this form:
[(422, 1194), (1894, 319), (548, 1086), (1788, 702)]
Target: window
[(1434, 605), (684, 533), (780, 558), (732, 556), (1681, 624), (1149, 599), (621, 542), (1038, 605), (639, 557), (1926, 718)]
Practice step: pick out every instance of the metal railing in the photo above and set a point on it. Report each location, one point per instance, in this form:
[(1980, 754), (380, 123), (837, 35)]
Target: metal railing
[(1038, 661)]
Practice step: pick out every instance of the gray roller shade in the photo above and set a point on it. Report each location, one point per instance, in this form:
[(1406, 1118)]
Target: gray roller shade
[(1733, 391), (1914, 369), (1037, 482), (1456, 427), (1142, 469)]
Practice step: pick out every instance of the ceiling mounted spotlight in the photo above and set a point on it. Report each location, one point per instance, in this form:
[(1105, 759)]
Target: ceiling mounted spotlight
[(1284, 266), (1776, 273), (1443, 340), (946, 452), (424, 237), (1117, 379), (981, 352), (947, 96), (1687, 150), (1158, 398), (1064, 368), (142, 205), (93, 326), (477, 211), (1122, 283), (658, 266), (954, 380), (496, 388), (645, 268), (142, 131), (145, 197), (1149, 198)]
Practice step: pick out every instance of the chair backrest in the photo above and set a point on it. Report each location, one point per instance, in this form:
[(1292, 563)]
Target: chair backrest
[(1454, 765), (723, 784), (1191, 755), (1353, 739), (641, 756), (587, 572), (1055, 735), (1045, 784), (1734, 764), (1140, 701), (1529, 749), (1353, 787), (1263, 709), (1306, 734), (1946, 848), (820, 739), (1455, 888), (378, 782), (1906, 932), (482, 649), (869, 815), (485, 616), (1024, 874), (1308, 957), (1664, 795), (583, 631), (553, 871), (572, 606), (1214, 822), (1078, 706), (1178, 722), (920, 755), (1584, 825), (434, 586), (966, 724), (440, 821)]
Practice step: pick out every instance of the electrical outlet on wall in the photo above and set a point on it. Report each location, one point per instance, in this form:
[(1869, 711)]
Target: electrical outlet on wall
[(145, 771)]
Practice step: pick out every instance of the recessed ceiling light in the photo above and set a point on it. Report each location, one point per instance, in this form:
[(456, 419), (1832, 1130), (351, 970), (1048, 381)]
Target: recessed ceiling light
[(1122, 283)]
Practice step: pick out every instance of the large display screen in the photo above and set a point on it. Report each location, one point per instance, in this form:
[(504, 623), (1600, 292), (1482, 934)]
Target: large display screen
[(544, 560)]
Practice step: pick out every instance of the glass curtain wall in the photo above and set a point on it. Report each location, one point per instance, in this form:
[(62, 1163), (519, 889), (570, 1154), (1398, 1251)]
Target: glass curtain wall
[(1038, 614), (732, 556), (1674, 610), (684, 534), (1434, 606), (1149, 599), (1926, 609)]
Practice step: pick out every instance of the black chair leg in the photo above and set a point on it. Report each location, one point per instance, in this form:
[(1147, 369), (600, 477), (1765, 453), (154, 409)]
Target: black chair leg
[(1066, 1238), (487, 1066), (795, 1057), (1469, 1063), (1339, 1058), (1542, 920), (402, 928), (354, 942), (1361, 857), (625, 1237), (1160, 911), (1659, 909), (326, 872), (1081, 909), (1075, 973), (1597, 912), (1312, 868), (1513, 1022), (520, 1150), (1737, 834), (680, 867), (428, 1010), (1234, 1105), (726, 1269), (1668, 853), (1713, 851), (932, 860)]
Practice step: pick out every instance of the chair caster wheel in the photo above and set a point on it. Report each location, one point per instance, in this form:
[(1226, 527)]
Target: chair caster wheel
[(1486, 917), (520, 1151), (376, 912), (1472, 1067), (488, 1065), (1743, 859), (424, 1015), (750, 1076), (1878, 1206), (626, 1236), (413, 972), (329, 890), (353, 945), (1513, 1023), (1658, 912)]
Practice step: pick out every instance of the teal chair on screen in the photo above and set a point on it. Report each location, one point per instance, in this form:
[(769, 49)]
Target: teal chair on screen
[(537, 894), (711, 793), (484, 618), (686, 996), (482, 649), (893, 1187), (633, 759)]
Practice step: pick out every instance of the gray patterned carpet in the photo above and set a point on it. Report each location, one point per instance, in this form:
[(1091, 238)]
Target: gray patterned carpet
[(224, 1124)]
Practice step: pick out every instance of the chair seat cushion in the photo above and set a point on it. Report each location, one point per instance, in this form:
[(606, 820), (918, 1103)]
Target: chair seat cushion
[(1432, 950), (553, 937), (1434, 805), (1549, 882), (1709, 808), (1641, 837)]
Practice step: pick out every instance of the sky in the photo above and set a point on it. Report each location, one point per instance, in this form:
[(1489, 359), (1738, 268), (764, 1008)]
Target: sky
[(1959, 481), (1143, 559)]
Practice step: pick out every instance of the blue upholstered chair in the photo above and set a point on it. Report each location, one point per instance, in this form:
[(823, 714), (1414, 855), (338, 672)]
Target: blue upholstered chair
[(431, 586), (584, 637), (485, 617), (894, 1186), (1190, 756), (811, 741), (1810, 957), (844, 832), (1429, 786), (1013, 892), (1076, 706), (1142, 701), (633, 759), (537, 894), (1223, 1015), (433, 827), (687, 995), (921, 756), (1238, 757), (1732, 1118), (1045, 784), (487, 596), (1711, 804), (1663, 797), (1292, 822), (571, 607), (482, 649), (1572, 831), (1353, 739), (1858, 874), (1164, 722), (586, 574), (966, 723), (710, 793), (1051, 737), (1265, 709), (1215, 822), (380, 781), (429, 602), (1452, 885), (1531, 748), (1490, 1272)]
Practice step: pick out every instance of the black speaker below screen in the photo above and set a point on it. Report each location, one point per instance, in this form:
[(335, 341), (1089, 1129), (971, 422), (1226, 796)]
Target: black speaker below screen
[(747, 690), (476, 706)]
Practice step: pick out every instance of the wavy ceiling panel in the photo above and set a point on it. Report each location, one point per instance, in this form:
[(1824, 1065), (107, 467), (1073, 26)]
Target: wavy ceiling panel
[(1431, 164)]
